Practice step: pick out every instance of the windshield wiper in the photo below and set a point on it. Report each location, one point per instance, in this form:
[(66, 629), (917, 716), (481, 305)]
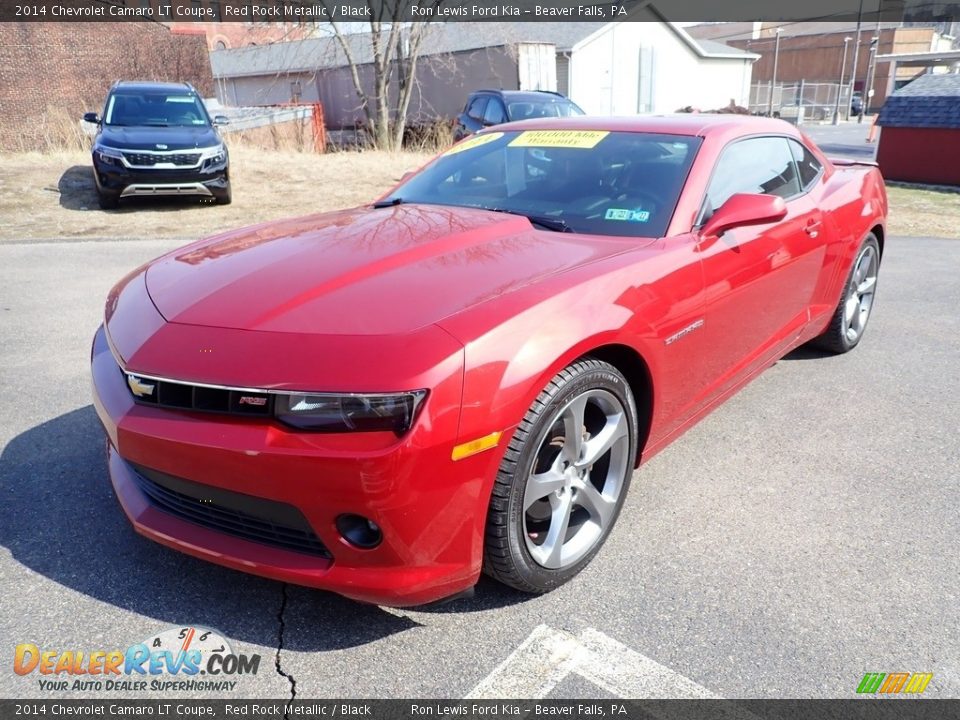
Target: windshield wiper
[(544, 221), (390, 202)]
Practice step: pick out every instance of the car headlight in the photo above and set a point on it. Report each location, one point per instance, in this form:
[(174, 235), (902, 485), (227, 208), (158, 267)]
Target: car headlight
[(350, 412), (215, 155), (108, 155)]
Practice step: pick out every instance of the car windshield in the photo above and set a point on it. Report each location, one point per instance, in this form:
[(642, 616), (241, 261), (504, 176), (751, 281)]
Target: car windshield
[(587, 181), (527, 109), (156, 109)]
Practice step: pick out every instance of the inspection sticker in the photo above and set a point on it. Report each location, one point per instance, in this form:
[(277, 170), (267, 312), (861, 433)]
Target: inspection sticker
[(559, 138), (627, 215), (472, 142)]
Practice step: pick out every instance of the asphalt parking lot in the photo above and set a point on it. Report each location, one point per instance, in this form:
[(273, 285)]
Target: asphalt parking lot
[(845, 139), (803, 534)]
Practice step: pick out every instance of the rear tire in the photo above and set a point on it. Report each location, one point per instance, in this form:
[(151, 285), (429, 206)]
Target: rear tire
[(563, 479), (849, 320)]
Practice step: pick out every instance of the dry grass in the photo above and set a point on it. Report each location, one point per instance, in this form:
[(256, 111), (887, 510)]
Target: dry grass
[(915, 212), (52, 195)]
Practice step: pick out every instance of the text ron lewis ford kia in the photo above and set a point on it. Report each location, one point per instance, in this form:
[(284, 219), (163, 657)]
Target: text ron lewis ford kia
[(385, 401)]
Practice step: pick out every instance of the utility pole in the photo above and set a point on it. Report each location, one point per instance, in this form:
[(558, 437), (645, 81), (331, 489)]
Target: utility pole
[(856, 57), (773, 81), (871, 73), (843, 68)]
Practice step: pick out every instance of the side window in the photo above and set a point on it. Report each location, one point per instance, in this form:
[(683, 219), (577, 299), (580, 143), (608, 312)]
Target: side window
[(476, 107), (757, 165), (495, 114), (808, 167)]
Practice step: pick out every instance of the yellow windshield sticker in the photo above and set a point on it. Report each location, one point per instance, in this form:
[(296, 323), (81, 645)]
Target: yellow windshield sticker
[(472, 142), (559, 138)]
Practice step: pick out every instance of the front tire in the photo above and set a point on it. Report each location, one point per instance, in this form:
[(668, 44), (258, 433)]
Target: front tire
[(225, 196), (108, 200), (563, 479), (849, 320)]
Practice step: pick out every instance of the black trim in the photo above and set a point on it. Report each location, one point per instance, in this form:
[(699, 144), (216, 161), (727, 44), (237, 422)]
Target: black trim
[(256, 519), (184, 396)]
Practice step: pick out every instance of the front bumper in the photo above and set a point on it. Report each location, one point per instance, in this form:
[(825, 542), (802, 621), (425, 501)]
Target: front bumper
[(207, 181), (431, 509)]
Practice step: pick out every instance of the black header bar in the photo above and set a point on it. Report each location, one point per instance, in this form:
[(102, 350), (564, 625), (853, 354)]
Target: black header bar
[(321, 11)]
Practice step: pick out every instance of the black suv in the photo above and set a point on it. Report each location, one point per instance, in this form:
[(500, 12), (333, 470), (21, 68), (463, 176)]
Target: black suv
[(157, 139), (493, 107)]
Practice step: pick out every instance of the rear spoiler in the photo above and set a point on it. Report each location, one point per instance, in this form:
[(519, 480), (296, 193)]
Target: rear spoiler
[(850, 162)]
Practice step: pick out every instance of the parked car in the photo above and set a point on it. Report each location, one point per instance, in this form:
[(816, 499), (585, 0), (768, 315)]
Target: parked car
[(461, 377), (494, 107), (856, 104), (158, 139)]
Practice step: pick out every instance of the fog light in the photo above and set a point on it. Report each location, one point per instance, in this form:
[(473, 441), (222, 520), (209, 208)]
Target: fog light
[(359, 531)]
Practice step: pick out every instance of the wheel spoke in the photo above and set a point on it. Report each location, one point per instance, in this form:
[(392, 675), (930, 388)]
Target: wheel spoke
[(866, 286), (857, 322), (593, 501), (541, 485), (573, 429), (598, 446), (552, 548), (850, 311)]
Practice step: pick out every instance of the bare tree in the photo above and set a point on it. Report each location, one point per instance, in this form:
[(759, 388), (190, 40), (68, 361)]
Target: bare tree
[(394, 47)]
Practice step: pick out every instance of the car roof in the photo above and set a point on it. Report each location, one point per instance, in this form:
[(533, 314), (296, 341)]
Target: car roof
[(524, 94), (148, 85), (693, 124)]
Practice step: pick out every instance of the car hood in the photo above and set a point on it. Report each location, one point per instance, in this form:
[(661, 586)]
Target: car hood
[(148, 138), (363, 271)]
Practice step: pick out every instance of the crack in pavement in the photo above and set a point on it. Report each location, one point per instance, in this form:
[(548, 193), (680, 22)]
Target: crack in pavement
[(280, 671)]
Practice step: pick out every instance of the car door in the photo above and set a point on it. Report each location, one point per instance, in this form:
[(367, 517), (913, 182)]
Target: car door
[(495, 113), (471, 119), (759, 279)]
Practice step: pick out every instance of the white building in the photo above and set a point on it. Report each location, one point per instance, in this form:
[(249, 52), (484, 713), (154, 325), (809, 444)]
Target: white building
[(625, 68)]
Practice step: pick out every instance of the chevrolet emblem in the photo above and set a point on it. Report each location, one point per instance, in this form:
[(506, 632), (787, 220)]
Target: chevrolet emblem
[(138, 387)]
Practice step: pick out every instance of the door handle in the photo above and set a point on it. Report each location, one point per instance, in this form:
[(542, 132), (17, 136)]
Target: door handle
[(812, 228)]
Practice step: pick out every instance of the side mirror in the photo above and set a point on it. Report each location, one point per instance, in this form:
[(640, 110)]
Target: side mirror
[(221, 120), (744, 209), (91, 118)]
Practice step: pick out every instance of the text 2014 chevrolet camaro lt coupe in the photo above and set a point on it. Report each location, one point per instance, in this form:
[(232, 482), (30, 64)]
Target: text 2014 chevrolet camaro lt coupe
[(386, 401)]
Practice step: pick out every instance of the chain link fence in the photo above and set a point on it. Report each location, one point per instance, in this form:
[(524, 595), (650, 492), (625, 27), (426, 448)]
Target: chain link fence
[(800, 102)]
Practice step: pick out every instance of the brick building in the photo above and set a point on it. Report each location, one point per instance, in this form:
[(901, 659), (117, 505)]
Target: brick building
[(231, 35), (53, 72)]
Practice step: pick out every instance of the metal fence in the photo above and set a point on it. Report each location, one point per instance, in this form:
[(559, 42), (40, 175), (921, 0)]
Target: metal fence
[(800, 102)]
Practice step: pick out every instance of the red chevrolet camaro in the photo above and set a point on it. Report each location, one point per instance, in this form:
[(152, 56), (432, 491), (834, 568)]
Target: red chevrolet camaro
[(463, 376)]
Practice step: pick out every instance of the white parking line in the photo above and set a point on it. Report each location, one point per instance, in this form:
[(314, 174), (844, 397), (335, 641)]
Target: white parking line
[(547, 656), (533, 669)]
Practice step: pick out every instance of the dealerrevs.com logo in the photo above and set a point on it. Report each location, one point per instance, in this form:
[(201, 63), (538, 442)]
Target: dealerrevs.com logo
[(894, 683), (184, 659)]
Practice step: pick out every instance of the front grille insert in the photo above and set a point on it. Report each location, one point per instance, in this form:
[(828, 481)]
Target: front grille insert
[(184, 396), (267, 522), (144, 159)]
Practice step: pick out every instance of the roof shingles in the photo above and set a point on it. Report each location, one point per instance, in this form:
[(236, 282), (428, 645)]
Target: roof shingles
[(930, 101)]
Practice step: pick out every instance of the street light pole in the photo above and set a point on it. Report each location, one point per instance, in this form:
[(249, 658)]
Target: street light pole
[(871, 74), (843, 68), (773, 81), (856, 57), (868, 80)]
